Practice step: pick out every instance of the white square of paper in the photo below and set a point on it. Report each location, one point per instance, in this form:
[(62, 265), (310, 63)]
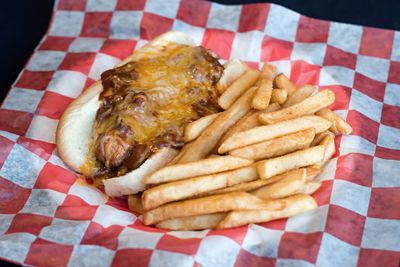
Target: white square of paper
[(67, 83), (224, 17), (373, 67), (345, 36), (125, 24), (167, 8), (335, 252), (22, 99), (45, 60), (42, 129), (84, 44), (389, 137), (247, 46), (134, 238), (282, 23), (310, 52), (101, 5), (101, 63), (254, 242), (66, 23), (365, 105), (392, 93)]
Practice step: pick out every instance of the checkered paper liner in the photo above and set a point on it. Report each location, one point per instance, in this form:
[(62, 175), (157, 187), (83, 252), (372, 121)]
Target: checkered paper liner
[(48, 217)]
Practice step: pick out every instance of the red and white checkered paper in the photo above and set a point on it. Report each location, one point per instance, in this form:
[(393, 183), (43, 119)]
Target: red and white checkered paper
[(49, 218)]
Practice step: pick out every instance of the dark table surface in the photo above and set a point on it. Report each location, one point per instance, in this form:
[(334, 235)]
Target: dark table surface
[(24, 22)]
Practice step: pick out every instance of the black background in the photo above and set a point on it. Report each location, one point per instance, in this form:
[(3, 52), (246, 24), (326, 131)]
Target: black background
[(24, 22)]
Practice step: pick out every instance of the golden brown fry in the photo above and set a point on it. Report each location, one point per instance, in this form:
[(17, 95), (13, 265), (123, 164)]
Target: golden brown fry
[(279, 96), (268, 72), (339, 125), (312, 172), (208, 205), (298, 159), (308, 106), (238, 87), (299, 95), (135, 203), (309, 188), (180, 154), (211, 135), (233, 70), (192, 169), (329, 144), (294, 205), (267, 132), (318, 137), (282, 82), (262, 96), (196, 222), (195, 128), (277, 146)]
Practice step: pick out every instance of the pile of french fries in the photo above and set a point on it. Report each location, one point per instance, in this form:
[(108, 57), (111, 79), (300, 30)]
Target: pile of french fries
[(254, 162)]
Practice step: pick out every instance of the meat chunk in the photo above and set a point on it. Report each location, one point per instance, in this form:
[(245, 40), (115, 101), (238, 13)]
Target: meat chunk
[(137, 155), (111, 150)]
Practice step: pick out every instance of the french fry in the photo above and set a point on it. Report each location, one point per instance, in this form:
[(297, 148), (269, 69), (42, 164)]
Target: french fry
[(286, 186), (308, 106), (299, 95), (298, 159), (192, 169), (233, 70), (209, 138), (277, 146), (262, 96), (294, 205), (208, 205), (267, 132), (196, 222), (279, 96), (339, 126), (238, 87), (312, 172), (195, 128), (135, 203), (318, 137), (268, 72), (180, 154), (309, 188), (329, 144), (168, 192), (282, 82)]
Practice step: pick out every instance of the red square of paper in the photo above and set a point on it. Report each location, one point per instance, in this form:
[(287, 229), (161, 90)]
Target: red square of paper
[(246, 258), (18, 125), (28, 223), (383, 202), (391, 116), (34, 79), (342, 94), (118, 48), (394, 72), (72, 4), (96, 24), (46, 253), (78, 61), (337, 57), (55, 178), (220, 41), (74, 208), (194, 12), (40, 148), (376, 42), (97, 235), (378, 257), (356, 168), (153, 25), (53, 105), (130, 5), (323, 194), (236, 234), (358, 121), (56, 43), (312, 30), (370, 87), (274, 49), (12, 197), (345, 225), (275, 224), (6, 146), (387, 153), (186, 246), (304, 73), (126, 257), (300, 246), (253, 17)]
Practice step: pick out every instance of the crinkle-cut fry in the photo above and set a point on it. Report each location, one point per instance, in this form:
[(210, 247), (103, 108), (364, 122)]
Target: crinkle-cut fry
[(238, 87), (339, 125), (279, 96), (296, 204), (318, 137), (135, 203), (182, 171), (298, 159), (276, 147), (209, 138), (299, 95), (195, 128), (262, 96), (247, 122), (267, 132), (268, 72), (196, 222), (234, 68), (209, 205), (329, 144), (286, 186), (282, 82), (308, 106), (309, 188), (178, 190)]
